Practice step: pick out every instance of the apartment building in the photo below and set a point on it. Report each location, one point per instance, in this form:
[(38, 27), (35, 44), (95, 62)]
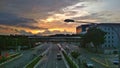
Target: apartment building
[(112, 37)]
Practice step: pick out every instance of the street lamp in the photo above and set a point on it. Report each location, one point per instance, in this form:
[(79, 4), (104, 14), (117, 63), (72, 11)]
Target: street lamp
[(71, 20), (94, 24)]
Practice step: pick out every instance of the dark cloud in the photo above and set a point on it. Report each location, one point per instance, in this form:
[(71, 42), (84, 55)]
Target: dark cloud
[(15, 20), (36, 8), (12, 19)]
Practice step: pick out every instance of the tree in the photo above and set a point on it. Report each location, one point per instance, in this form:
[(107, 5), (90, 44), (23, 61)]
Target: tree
[(94, 35)]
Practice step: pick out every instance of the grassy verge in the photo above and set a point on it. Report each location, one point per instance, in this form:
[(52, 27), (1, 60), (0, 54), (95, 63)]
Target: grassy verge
[(70, 62), (34, 62), (4, 59)]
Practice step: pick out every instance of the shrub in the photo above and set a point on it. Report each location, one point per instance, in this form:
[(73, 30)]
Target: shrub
[(32, 64), (70, 62)]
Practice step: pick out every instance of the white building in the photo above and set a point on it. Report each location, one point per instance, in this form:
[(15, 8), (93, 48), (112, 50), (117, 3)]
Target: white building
[(112, 37)]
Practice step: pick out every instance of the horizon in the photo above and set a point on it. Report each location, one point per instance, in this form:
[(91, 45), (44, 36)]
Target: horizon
[(46, 17)]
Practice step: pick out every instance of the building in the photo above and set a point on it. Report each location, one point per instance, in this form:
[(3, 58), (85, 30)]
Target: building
[(112, 37), (82, 28)]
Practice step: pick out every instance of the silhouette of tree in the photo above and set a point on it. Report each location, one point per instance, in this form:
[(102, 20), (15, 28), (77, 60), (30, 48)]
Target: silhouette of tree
[(94, 35)]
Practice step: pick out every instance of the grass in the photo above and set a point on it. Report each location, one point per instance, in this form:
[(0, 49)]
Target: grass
[(70, 62), (34, 62)]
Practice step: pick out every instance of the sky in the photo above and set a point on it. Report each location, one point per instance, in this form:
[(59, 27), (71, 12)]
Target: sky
[(46, 17)]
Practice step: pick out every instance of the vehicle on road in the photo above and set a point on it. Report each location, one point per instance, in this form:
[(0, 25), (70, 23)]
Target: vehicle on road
[(59, 57), (116, 62), (88, 65)]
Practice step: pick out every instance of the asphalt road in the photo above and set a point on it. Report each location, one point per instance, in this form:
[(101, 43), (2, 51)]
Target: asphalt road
[(50, 60), (89, 55), (85, 55), (25, 58)]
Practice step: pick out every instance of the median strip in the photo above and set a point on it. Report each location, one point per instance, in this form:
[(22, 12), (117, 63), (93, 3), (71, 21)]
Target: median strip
[(67, 66), (33, 63), (69, 61)]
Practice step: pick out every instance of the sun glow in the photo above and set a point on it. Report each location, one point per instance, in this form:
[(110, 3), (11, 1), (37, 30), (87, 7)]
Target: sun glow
[(50, 19), (56, 29)]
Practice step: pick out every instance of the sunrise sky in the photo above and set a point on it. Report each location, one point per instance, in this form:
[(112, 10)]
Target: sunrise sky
[(45, 17)]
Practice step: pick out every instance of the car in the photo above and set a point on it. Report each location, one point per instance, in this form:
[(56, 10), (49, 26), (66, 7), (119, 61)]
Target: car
[(59, 57), (116, 62), (88, 65)]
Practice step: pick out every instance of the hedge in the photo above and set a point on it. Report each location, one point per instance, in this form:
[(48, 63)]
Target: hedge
[(70, 62), (34, 62)]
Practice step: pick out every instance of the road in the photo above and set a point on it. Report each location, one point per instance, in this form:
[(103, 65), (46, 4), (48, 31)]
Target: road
[(85, 55), (25, 58), (50, 60), (99, 58)]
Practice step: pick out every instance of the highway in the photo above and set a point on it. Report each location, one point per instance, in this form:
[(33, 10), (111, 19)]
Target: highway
[(84, 55), (50, 60), (26, 57)]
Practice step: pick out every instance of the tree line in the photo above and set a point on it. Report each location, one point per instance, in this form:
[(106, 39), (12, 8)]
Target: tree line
[(13, 41)]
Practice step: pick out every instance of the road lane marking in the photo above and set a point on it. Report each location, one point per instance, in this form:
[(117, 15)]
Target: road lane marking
[(99, 62)]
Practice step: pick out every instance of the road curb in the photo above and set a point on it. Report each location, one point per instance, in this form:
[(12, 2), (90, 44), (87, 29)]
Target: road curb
[(68, 56), (64, 60), (43, 54), (38, 62), (37, 57)]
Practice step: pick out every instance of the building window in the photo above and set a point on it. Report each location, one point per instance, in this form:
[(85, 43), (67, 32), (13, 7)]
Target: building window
[(105, 46), (108, 45), (112, 41), (112, 37), (112, 33), (112, 46), (108, 33), (108, 36), (105, 28), (108, 28)]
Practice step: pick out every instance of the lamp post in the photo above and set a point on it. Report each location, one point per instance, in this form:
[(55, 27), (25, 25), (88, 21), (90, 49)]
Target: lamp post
[(70, 20), (94, 24)]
